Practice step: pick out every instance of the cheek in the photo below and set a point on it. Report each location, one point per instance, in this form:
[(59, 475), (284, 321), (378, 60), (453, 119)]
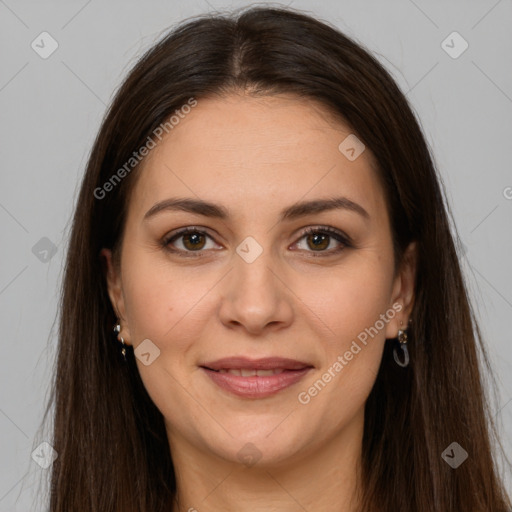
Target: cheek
[(354, 319), (165, 304), (167, 307), (347, 300)]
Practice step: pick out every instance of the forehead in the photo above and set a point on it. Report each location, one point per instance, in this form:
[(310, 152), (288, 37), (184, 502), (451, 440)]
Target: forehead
[(262, 153)]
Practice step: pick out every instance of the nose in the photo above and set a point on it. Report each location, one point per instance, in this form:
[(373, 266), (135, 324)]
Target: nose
[(255, 296)]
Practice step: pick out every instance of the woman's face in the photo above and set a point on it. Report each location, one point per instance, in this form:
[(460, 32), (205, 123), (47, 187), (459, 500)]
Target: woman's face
[(253, 284)]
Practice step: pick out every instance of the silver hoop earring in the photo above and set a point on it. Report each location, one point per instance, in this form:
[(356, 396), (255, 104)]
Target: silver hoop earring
[(117, 330), (402, 339)]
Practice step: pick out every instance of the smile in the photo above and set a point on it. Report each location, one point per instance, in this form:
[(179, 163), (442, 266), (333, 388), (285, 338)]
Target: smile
[(251, 372), (254, 385)]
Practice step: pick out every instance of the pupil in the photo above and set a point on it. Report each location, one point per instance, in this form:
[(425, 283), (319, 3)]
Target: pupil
[(319, 239), (193, 239)]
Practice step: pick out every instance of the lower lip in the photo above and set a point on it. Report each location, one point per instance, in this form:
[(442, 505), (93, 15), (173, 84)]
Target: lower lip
[(254, 386)]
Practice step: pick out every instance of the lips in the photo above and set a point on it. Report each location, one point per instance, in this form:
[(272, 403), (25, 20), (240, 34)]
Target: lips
[(249, 372), (267, 363), (255, 378)]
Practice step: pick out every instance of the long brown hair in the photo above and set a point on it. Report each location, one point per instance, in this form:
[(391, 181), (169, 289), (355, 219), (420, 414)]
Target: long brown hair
[(113, 453)]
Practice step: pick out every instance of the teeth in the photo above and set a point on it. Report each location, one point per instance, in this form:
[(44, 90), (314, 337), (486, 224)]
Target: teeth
[(251, 372), (267, 373)]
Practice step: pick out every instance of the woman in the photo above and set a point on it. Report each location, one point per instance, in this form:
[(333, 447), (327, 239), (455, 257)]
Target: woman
[(262, 227)]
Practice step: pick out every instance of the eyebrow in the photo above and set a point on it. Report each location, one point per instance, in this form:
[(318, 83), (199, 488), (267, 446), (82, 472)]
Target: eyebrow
[(294, 211)]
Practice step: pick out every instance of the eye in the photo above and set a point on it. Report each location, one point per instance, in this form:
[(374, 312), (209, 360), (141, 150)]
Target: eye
[(319, 238), (193, 240)]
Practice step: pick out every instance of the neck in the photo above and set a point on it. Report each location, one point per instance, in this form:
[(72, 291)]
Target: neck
[(327, 477)]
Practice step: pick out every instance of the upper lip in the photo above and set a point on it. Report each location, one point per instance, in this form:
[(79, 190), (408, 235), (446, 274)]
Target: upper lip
[(266, 363)]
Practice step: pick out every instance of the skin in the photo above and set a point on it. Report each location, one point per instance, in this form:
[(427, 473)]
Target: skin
[(255, 157)]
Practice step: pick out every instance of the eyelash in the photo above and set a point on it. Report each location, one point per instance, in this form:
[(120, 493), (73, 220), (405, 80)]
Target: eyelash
[(326, 230)]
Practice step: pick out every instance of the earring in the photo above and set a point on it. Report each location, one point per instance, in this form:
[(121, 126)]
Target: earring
[(402, 339), (117, 330)]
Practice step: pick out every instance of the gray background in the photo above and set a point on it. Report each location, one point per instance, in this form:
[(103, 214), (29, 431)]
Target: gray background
[(51, 109)]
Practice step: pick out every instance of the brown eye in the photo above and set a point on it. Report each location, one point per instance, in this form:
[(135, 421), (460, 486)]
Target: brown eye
[(191, 239), (318, 239)]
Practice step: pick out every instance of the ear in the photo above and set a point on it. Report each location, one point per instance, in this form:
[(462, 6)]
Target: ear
[(115, 291), (403, 292)]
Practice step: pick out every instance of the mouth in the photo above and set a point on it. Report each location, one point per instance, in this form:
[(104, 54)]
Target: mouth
[(250, 372), (255, 378), (266, 363)]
